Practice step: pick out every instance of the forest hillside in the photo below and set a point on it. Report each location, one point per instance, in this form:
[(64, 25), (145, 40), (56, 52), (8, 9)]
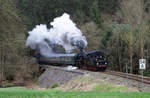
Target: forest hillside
[(119, 28)]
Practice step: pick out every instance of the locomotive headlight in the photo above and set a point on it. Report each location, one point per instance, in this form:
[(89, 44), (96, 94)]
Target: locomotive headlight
[(97, 63), (105, 63)]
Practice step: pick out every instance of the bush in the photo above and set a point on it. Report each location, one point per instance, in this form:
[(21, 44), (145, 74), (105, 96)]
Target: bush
[(55, 85)]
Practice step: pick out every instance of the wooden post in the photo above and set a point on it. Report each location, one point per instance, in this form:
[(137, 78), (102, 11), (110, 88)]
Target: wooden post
[(1, 63), (127, 73), (142, 79)]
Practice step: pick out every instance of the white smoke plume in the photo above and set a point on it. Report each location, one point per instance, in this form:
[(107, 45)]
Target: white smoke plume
[(63, 32)]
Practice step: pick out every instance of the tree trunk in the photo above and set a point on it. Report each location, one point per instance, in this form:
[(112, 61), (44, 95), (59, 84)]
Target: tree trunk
[(130, 57), (131, 65)]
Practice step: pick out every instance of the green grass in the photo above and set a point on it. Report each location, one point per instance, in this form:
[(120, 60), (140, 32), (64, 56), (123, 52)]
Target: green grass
[(21, 92), (110, 88)]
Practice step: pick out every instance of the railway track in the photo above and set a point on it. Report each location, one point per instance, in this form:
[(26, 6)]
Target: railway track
[(63, 68), (138, 78)]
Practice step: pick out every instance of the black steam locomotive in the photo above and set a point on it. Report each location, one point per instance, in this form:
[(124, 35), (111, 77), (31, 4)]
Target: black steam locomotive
[(92, 60)]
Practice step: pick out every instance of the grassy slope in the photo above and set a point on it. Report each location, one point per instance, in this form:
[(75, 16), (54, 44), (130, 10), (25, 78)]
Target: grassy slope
[(28, 93)]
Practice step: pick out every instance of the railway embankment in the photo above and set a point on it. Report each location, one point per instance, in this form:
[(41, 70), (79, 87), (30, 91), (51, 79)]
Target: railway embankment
[(56, 75), (88, 80)]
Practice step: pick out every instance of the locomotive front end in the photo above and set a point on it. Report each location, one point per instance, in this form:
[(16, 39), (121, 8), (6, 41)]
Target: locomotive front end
[(101, 64)]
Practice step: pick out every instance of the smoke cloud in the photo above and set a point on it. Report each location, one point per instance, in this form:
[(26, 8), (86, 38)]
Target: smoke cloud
[(63, 32)]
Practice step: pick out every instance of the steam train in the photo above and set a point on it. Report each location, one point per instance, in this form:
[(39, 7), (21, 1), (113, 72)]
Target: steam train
[(91, 60)]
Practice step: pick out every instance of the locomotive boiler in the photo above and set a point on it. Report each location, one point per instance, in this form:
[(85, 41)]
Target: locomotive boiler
[(91, 60)]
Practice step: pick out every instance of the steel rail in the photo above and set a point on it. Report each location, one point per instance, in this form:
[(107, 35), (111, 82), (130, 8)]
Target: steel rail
[(138, 78)]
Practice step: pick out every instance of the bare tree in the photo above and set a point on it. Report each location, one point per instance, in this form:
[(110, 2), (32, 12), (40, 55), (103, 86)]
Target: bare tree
[(133, 14)]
